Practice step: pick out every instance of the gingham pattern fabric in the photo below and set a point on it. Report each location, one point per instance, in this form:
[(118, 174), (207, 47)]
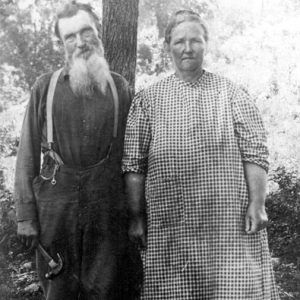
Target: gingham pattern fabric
[(190, 139)]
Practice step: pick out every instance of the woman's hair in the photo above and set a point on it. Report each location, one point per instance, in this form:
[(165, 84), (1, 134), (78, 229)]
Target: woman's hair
[(184, 16), (71, 9)]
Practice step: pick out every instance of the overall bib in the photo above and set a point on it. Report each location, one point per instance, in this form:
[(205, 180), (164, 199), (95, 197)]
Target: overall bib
[(82, 217)]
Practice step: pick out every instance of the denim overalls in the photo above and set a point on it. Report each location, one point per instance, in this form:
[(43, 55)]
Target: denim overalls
[(83, 218)]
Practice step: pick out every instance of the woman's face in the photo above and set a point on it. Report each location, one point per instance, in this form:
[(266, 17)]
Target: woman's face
[(187, 46)]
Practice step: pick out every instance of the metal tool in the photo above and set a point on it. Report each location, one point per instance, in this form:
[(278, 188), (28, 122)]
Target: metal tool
[(55, 266)]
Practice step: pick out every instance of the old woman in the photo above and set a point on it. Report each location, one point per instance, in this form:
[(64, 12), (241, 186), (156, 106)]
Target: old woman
[(195, 164)]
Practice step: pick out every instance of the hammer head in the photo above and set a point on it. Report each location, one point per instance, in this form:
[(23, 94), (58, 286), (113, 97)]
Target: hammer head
[(55, 267)]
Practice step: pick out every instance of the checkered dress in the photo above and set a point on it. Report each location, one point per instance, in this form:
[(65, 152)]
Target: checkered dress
[(190, 139)]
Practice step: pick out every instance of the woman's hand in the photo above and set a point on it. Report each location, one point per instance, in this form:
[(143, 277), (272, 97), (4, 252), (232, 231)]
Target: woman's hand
[(256, 218), (138, 231)]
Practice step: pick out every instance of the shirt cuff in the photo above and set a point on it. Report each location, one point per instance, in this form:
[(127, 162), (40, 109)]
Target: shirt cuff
[(133, 169), (26, 211), (260, 162)]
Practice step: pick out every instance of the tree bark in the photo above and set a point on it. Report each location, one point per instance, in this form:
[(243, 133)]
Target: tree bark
[(120, 19)]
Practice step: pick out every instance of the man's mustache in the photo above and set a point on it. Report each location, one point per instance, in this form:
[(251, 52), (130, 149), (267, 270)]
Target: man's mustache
[(83, 52)]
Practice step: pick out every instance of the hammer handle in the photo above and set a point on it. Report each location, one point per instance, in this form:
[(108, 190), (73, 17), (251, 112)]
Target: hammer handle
[(44, 253)]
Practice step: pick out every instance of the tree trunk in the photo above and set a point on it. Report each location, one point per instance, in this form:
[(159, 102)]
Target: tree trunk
[(120, 19)]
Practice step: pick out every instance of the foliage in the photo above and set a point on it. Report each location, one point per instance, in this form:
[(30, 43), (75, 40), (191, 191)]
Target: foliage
[(26, 41), (10, 91), (287, 277), (18, 279), (283, 205), (8, 144), (158, 12)]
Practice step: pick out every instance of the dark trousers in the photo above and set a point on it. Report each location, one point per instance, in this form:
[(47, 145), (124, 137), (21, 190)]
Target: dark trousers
[(82, 217)]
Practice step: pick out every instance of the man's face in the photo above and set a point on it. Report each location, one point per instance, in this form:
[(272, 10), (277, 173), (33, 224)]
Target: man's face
[(187, 46), (80, 36)]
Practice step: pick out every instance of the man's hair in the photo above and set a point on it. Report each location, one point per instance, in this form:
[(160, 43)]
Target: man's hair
[(181, 16), (71, 9)]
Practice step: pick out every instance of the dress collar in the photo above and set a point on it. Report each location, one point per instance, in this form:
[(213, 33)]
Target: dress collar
[(197, 83)]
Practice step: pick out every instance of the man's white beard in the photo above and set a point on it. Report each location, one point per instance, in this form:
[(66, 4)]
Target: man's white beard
[(87, 75)]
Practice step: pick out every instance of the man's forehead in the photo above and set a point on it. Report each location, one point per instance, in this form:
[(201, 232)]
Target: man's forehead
[(75, 23)]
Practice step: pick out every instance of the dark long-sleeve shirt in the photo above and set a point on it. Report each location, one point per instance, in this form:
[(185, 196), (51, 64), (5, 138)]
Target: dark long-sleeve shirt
[(82, 132)]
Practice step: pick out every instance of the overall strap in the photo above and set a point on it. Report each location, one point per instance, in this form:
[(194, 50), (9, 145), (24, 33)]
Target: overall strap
[(49, 105), (49, 119), (116, 105)]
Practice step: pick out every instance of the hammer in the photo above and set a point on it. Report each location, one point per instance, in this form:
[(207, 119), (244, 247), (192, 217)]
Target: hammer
[(55, 267)]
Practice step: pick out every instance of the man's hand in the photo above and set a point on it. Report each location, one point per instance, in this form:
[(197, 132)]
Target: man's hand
[(256, 218), (28, 234), (137, 232)]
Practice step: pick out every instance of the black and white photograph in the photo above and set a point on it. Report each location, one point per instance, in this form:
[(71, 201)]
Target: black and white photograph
[(149, 150)]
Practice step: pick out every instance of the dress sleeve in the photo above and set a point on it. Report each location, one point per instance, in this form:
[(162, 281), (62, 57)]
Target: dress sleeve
[(137, 136), (249, 130), (28, 160)]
